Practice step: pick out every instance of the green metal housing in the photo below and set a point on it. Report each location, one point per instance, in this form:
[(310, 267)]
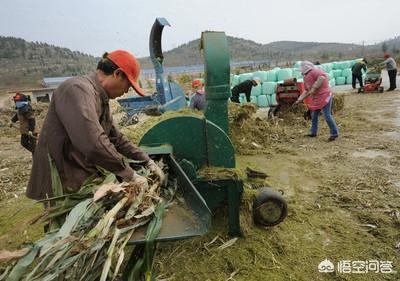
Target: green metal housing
[(197, 142)]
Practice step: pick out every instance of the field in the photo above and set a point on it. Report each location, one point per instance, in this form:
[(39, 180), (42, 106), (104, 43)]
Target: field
[(343, 200)]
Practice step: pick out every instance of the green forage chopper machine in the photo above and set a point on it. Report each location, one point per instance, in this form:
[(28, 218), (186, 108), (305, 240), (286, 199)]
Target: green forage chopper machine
[(193, 142)]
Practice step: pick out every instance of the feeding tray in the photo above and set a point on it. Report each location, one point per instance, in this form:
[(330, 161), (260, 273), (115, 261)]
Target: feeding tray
[(184, 218)]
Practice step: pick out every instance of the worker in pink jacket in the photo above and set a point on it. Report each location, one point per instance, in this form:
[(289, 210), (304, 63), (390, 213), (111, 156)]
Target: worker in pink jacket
[(316, 85)]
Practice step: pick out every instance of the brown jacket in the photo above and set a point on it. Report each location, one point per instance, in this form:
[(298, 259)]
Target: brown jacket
[(79, 135)]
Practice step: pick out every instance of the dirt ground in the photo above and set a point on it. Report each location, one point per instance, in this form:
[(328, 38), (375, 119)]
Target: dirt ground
[(343, 199)]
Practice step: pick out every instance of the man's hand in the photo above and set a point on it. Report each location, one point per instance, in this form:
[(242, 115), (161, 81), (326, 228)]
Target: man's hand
[(139, 180), (155, 169)]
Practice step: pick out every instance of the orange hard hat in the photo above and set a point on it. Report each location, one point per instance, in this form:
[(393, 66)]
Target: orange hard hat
[(197, 83)]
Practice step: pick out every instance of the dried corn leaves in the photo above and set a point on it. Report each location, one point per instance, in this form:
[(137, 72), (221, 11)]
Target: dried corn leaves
[(90, 244)]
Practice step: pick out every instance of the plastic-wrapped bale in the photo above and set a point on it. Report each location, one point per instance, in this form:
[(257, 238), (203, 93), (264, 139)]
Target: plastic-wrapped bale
[(332, 82), (346, 72), (337, 73), (268, 88), (256, 90), (271, 76), (245, 76), (335, 65), (262, 101), (349, 79), (272, 100), (242, 98), (328, 67), (297, 64), (330, 75), (253, 99), (234, 80), (340, 80), (284, 74), (262, 75), (296, 73), (345, 64)]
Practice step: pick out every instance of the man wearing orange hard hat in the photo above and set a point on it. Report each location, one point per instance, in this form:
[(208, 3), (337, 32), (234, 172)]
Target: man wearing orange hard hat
[(78, 132)]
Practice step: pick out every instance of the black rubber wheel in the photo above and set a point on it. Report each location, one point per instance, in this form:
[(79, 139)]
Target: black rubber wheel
[(269, 207), (380, 89)]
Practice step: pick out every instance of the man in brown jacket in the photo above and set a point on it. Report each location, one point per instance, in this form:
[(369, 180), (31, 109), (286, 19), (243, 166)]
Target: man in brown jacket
[(78, 132)]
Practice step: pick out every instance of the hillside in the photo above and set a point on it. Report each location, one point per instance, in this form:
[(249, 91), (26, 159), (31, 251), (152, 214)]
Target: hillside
[(281, 51), (25, 63)]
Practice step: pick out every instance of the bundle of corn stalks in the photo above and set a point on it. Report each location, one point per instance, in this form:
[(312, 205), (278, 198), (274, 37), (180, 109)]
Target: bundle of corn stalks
[(90, 244)]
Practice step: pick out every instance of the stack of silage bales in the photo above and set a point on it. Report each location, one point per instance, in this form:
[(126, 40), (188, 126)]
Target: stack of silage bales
[(264, 95)]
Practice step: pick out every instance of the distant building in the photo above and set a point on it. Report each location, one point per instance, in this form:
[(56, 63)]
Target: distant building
[(44, 94), (51, 82)]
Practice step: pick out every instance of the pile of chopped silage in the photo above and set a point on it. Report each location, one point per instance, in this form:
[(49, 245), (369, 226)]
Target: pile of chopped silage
[(248, 133)]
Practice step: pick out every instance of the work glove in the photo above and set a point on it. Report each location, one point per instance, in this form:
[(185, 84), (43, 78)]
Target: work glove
[(139, 180), (156, 170)]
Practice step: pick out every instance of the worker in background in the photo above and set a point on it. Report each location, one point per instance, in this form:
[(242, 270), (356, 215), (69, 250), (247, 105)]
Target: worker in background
[(27, 123), (244, 87), (317, 86), (198, 98), (356, 72), (391, 68), (78, 133)]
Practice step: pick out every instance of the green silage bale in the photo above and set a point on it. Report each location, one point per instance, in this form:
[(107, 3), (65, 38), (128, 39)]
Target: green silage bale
[(297, 64), (245, 76), (273, 100), (262, 75), (284, 74), (253, 99), (256, 90), (349, 79), (262, 101), (340, 80), (296, 73), (332, 83), (235, 80), (346, 72), (345, 64), (328, 67), (337, 73), (271, 76), (268, 88), (242, 98), (335, 65)]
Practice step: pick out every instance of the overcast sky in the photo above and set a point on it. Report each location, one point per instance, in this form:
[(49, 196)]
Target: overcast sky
[(95, 26)]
